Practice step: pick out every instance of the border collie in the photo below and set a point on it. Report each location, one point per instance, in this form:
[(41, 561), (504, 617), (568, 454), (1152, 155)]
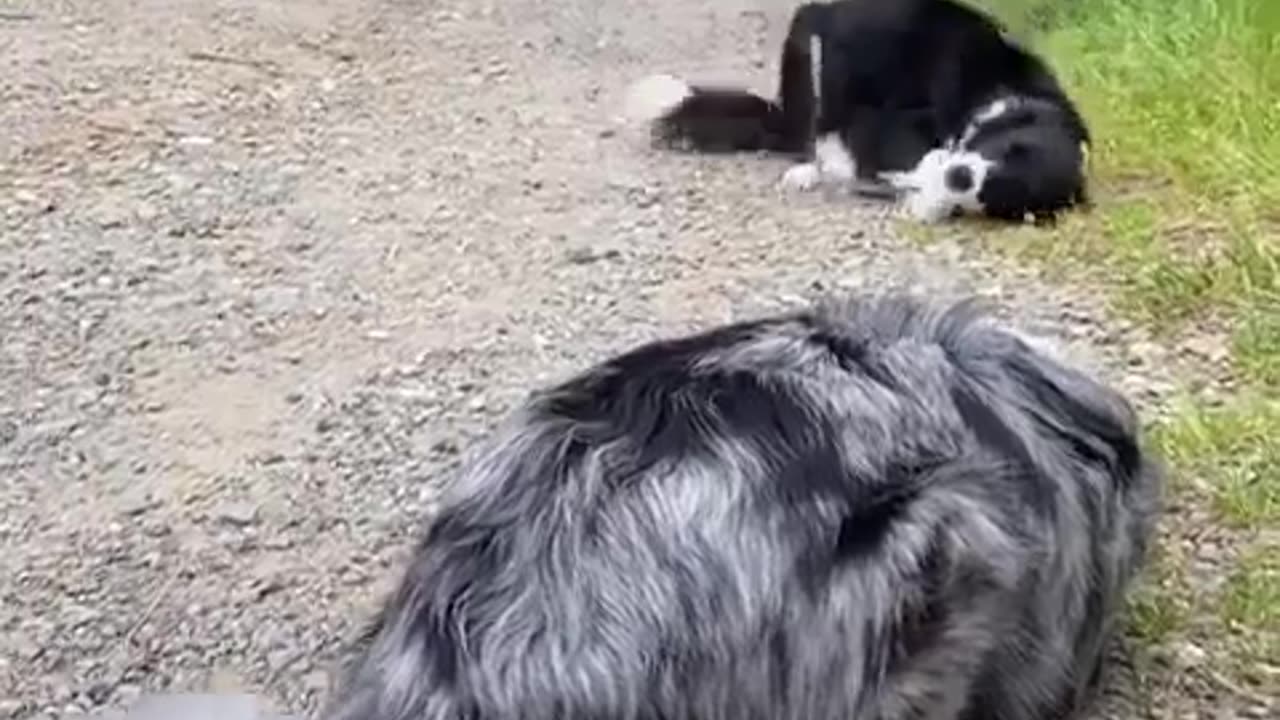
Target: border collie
[(873, 508), (928, 96)]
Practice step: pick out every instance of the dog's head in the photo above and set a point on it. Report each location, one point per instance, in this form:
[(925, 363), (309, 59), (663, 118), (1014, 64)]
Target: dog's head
[(945, 183), (1018, 157), (1034, 149)]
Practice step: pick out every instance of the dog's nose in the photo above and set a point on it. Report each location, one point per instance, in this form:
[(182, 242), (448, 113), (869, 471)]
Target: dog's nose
[(959, 178)]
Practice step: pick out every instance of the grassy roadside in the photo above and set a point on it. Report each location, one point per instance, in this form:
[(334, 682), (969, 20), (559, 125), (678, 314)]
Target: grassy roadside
[(1184, 101)]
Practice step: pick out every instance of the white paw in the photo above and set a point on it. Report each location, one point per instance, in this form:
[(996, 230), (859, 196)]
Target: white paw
[(835, 163), (801, 177)]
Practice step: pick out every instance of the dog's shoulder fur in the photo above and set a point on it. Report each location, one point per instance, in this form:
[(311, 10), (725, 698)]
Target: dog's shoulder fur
[(872, 508)]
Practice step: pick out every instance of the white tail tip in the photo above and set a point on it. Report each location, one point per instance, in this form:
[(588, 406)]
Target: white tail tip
[(656, 96)]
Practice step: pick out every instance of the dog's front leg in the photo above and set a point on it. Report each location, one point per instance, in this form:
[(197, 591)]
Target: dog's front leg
[(830, 160), (801, 92), (802, 95), (835, 161), (831, 164)]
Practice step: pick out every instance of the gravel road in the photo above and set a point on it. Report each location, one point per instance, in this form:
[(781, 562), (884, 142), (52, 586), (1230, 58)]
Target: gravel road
[(267, 268)]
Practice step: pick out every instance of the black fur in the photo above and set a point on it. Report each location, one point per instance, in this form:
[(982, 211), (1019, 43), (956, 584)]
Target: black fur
[(899, 78), (1039, 154)]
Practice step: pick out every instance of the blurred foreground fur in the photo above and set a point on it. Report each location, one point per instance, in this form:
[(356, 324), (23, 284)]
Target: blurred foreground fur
[(872, 509)]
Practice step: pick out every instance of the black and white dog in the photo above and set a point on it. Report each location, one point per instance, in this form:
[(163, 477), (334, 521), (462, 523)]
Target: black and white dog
[(875, 508), (926, 95)]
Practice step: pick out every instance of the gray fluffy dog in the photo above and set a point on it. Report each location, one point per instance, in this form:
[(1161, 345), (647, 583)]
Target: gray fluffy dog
[(869, 510)]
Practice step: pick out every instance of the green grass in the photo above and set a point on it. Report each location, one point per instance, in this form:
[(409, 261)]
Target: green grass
[(1184, 89), (1234, 451), (1256, 346), (1251, 606), (1160, 608), (1183, 98)]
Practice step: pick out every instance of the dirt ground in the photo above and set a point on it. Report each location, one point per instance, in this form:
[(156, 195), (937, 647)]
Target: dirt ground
[(267, 268)]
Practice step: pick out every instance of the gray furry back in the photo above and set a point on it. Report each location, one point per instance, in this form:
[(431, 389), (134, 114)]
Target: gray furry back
[(875, 509)]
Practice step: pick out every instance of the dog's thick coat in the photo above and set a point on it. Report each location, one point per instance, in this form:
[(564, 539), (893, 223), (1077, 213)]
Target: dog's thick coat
[(868, 87), (873, 509)]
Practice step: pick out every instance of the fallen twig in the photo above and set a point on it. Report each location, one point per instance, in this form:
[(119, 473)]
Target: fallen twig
[(17, 16), (156, 599), (259, 65), (345, 56)]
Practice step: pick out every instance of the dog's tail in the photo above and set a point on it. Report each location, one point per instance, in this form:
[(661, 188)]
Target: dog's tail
[(709, 119)]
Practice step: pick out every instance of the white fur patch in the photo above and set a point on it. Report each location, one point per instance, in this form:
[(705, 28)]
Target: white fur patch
[(928, 199), (801, 177), (832, 164), (991, 111), (656, 96), (987, 114), (835, 163), (815, 69), (911, 180)]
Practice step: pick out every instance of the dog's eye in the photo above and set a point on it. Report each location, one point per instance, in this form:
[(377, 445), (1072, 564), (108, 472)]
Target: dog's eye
[(959, 178)]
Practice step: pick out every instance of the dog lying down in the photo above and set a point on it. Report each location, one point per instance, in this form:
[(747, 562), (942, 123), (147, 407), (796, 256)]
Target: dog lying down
[(1011, 159), (872, 508), (926, 101)]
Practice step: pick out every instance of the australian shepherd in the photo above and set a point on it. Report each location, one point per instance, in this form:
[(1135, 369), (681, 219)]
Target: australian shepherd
[(873, 508)]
